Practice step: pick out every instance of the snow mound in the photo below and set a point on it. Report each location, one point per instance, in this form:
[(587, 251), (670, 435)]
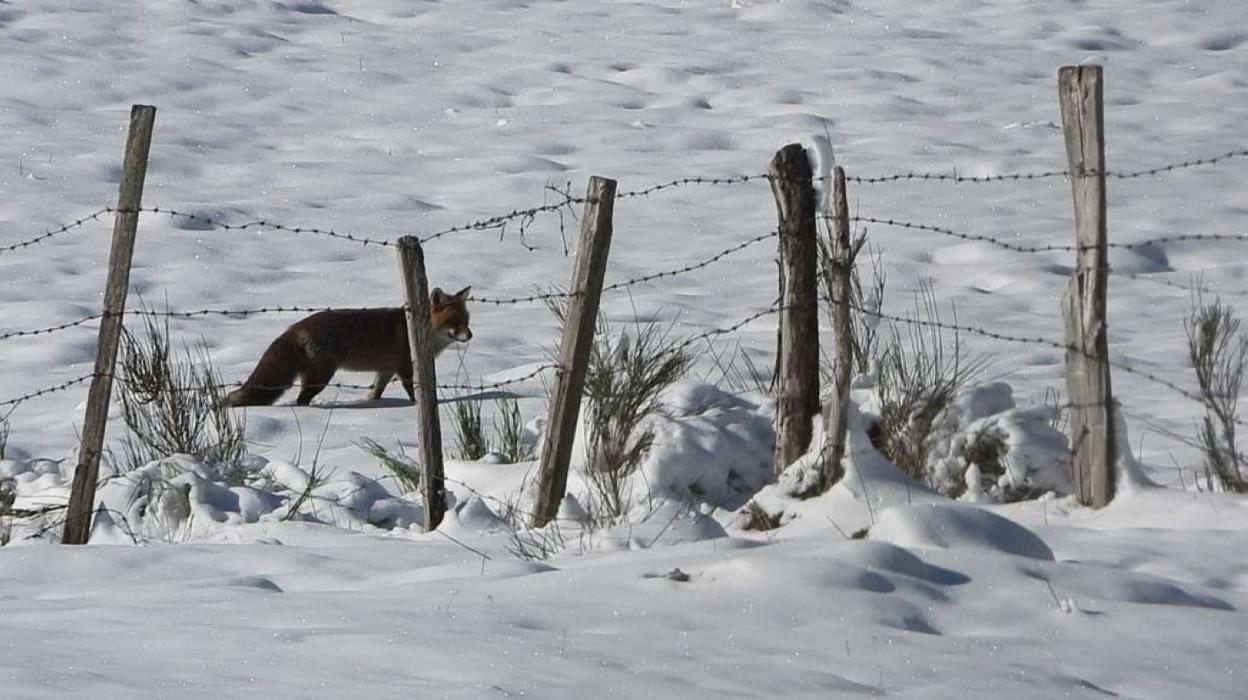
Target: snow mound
[(710, 446), (1033, 454), (950, 526), (668, 524)]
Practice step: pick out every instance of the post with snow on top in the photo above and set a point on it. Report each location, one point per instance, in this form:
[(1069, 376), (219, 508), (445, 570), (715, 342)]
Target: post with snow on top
[(839, 270), (1084, 304)]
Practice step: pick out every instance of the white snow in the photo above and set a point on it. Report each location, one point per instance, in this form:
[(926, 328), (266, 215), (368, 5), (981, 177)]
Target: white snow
[(383, 118)]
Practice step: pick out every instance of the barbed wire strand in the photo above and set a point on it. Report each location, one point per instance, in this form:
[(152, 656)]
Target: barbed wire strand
[(261, 224), (680, 347), (482, 387), (545, 296), (51, 329), (66, 228), (240, 313), (524, 216), (955, 178), (1063, 247), (1183, 165), (49, 390), (479, 388), (686, 181), (1189, 289), (692, 267), (961, 328)]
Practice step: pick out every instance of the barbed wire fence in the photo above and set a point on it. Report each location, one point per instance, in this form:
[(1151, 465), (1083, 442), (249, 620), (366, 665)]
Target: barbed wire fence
[(522, 219), (561, 206)]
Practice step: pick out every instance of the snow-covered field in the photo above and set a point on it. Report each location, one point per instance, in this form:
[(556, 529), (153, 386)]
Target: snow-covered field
[(383, 118)]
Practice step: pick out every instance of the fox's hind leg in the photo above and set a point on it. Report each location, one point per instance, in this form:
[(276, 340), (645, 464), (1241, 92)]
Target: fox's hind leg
[(313, 381), (405, 378), (380, 384)]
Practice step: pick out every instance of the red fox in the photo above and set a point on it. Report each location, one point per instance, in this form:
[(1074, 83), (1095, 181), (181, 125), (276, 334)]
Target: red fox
[(370, 340)]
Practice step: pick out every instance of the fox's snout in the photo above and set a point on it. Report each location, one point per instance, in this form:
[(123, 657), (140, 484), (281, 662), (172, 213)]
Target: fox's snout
[(452, 334), (459, 335)]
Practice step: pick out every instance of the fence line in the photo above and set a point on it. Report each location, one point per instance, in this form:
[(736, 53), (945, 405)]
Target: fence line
[(260, 224), (232, 385), (340, 385), (314, 309), (494, 222), (1053, 344), (546, 296), (343, 385), (955, 178), (54, 232), (1040, 175), (171, 314), (51, 329), (693, 267), (49, 390), (1208, 160), (527, 215), (524, 218), (974, 237), (1190, 289), (714, 333), (1022, 248), (686, 181)]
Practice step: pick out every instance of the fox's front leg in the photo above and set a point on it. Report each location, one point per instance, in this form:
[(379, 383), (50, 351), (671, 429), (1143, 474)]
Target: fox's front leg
[(379, 384)]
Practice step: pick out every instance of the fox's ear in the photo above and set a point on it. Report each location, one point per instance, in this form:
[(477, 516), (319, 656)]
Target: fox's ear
[(437, 296), (463, 292)]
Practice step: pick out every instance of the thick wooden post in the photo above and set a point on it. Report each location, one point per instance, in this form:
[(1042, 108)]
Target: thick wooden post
[(797, 394), (578, 338), (1087, 355), (420, 342), (841, 269), (125, 224)]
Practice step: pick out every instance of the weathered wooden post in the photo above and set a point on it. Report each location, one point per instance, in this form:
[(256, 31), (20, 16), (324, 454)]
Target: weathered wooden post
[(578, 337), (125, 224), (797, 393), (1084, 305), (841, 269), (420, 342)]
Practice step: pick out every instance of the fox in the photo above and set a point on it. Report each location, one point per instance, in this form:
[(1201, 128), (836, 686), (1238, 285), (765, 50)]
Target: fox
[(370, 340)]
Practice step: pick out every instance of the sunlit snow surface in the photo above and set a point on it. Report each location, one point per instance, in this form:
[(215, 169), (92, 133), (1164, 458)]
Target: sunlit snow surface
[(384, 118)]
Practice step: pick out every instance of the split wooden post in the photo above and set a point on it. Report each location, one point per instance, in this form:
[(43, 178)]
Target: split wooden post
[(420, 344), (797, 392), (125, 224), (1084, 305), (578, 337), (841, 269)]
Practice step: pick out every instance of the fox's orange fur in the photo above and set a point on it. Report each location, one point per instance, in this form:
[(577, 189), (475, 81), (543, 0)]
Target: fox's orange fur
[(370, 340)]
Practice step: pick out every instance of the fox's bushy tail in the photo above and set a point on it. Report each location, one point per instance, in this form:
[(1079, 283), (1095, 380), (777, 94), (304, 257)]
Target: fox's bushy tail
[(273, 375)]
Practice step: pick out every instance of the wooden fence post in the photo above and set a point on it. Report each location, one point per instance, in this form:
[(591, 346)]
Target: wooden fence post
[(1083, 306), (125, 224), (578, 338), (420, 344), (841, 269), (797, 394)]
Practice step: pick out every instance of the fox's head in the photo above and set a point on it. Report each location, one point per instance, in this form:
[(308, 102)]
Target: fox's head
[(449, 314)]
